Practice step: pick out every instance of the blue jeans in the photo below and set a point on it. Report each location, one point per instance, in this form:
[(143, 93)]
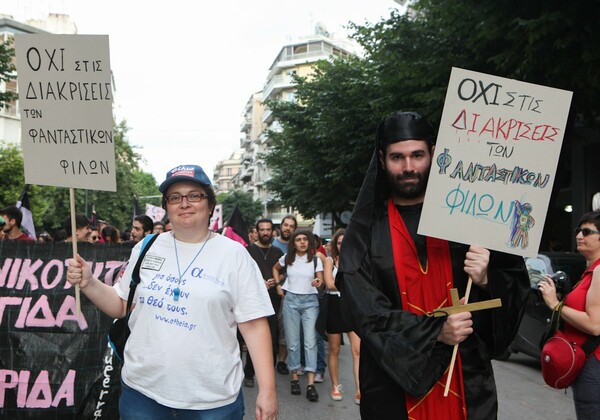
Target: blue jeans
[(300, 312), (134, 405), (586, 390)]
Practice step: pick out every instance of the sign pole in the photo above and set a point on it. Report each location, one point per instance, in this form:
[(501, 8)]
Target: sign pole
[(74, 242), (455, 350)]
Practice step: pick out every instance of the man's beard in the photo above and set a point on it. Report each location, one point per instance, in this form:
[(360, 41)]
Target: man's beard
[(286, 236), (264, 239), (408, 191)]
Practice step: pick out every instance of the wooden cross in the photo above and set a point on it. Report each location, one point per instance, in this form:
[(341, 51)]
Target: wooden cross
[(467, 307), (458, 308)]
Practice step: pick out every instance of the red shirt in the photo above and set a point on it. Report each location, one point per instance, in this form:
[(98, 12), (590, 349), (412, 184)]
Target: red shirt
[(576, 299)]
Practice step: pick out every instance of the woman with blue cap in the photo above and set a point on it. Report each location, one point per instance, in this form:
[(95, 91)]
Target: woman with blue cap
[(197, 288)]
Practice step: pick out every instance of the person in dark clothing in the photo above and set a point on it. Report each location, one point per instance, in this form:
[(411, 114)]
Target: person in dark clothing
[(391, 278), (266, 256)]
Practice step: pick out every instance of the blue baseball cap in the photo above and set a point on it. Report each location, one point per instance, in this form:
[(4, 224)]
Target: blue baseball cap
[(180, 173)]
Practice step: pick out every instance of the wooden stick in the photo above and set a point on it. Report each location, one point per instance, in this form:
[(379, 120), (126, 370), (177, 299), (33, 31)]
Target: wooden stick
[(455, 350), (74, 242)]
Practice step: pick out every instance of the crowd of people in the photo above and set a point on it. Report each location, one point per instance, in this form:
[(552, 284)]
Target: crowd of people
[(86, 230), (378, 280)]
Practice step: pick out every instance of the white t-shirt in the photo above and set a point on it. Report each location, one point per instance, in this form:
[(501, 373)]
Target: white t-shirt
[(301, 274), (185, 354)]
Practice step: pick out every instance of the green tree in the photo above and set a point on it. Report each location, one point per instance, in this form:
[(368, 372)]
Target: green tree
[(7, 70), (13, 182), (323, 150), (251, 209)]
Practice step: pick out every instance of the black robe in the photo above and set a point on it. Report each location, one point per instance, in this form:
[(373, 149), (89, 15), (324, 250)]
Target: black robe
[(399, 350)]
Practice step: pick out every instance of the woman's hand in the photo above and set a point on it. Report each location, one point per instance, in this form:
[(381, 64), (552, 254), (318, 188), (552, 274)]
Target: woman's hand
[(548, 290), (79, 273), (316, 283)]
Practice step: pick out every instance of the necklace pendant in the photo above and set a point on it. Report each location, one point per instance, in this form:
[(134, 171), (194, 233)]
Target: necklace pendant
[(176, 294)]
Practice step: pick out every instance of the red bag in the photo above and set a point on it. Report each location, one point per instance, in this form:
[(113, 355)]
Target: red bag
[(562, 360)]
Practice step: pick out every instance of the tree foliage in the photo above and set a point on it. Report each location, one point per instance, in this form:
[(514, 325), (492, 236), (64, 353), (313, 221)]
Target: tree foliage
[(326, 141), (251, 209), (7, 70), (319, 157)]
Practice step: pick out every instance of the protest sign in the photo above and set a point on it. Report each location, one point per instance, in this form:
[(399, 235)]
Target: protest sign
[(154, 212), (65, 101), (55, 363), (494, 162)]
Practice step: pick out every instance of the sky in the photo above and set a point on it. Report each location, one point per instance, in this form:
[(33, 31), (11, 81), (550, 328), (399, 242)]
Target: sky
[(184, 69)]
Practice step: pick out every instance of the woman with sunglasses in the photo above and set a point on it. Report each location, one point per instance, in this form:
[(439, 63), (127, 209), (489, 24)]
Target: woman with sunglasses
[(580, 313), (196, 289)]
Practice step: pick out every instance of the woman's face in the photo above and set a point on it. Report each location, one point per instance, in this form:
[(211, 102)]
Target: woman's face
[(588, 244), (339, 242), (301, 244), (186, 213)]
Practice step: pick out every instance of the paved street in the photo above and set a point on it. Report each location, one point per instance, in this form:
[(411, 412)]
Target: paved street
[(522, 394)]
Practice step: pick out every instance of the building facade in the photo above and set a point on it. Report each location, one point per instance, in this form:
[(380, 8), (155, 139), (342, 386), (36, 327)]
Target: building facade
[(294, 59), (227, 173)]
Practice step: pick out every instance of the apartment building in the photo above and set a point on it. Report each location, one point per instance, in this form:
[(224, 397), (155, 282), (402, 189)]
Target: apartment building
[(227, 172), (295, 58)]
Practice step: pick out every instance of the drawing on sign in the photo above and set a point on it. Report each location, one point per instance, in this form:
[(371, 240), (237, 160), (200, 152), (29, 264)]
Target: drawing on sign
[(522, 222)]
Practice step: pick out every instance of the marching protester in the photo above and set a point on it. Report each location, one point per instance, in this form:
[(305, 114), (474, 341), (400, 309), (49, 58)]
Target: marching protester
[(82, 229), (12, 217), (301, 306), (580, 313), (111, 235), (281, 240), (197, 288), (390, 278), (266, 256), (141, 226), (336, 325), (94, 236), (159, 227)]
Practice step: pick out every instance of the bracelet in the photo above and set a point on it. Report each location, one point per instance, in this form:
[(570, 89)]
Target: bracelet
[(558, 307)]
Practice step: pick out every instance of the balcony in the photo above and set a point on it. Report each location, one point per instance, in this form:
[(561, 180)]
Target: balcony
[(246, 174), (276, 84), (245, 142), (267, 117), (246, 125)]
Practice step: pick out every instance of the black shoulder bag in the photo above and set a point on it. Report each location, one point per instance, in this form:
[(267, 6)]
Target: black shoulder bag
[(119, 330)]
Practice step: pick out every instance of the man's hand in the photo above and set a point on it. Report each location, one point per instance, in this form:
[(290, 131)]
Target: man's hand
[(456, 328), (476, 265)]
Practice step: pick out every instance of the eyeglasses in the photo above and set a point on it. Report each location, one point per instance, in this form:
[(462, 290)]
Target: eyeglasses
[(193, 197), (94, 238), (585, 231)]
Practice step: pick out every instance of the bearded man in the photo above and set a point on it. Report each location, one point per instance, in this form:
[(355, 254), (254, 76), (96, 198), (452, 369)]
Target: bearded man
[(392, 278), (265, 255)]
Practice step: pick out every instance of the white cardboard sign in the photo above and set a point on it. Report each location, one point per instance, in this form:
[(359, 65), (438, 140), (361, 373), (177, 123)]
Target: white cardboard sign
[(494, 162), (65, 101)]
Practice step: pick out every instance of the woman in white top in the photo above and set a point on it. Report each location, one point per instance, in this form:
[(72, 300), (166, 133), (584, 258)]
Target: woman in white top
[(301, 306), (196, 289), (335, 323)]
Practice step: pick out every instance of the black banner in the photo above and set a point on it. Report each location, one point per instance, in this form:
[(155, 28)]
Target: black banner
[(55, 364)]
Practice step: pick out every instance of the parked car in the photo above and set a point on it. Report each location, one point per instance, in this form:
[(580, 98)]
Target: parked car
[(537, 314)]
